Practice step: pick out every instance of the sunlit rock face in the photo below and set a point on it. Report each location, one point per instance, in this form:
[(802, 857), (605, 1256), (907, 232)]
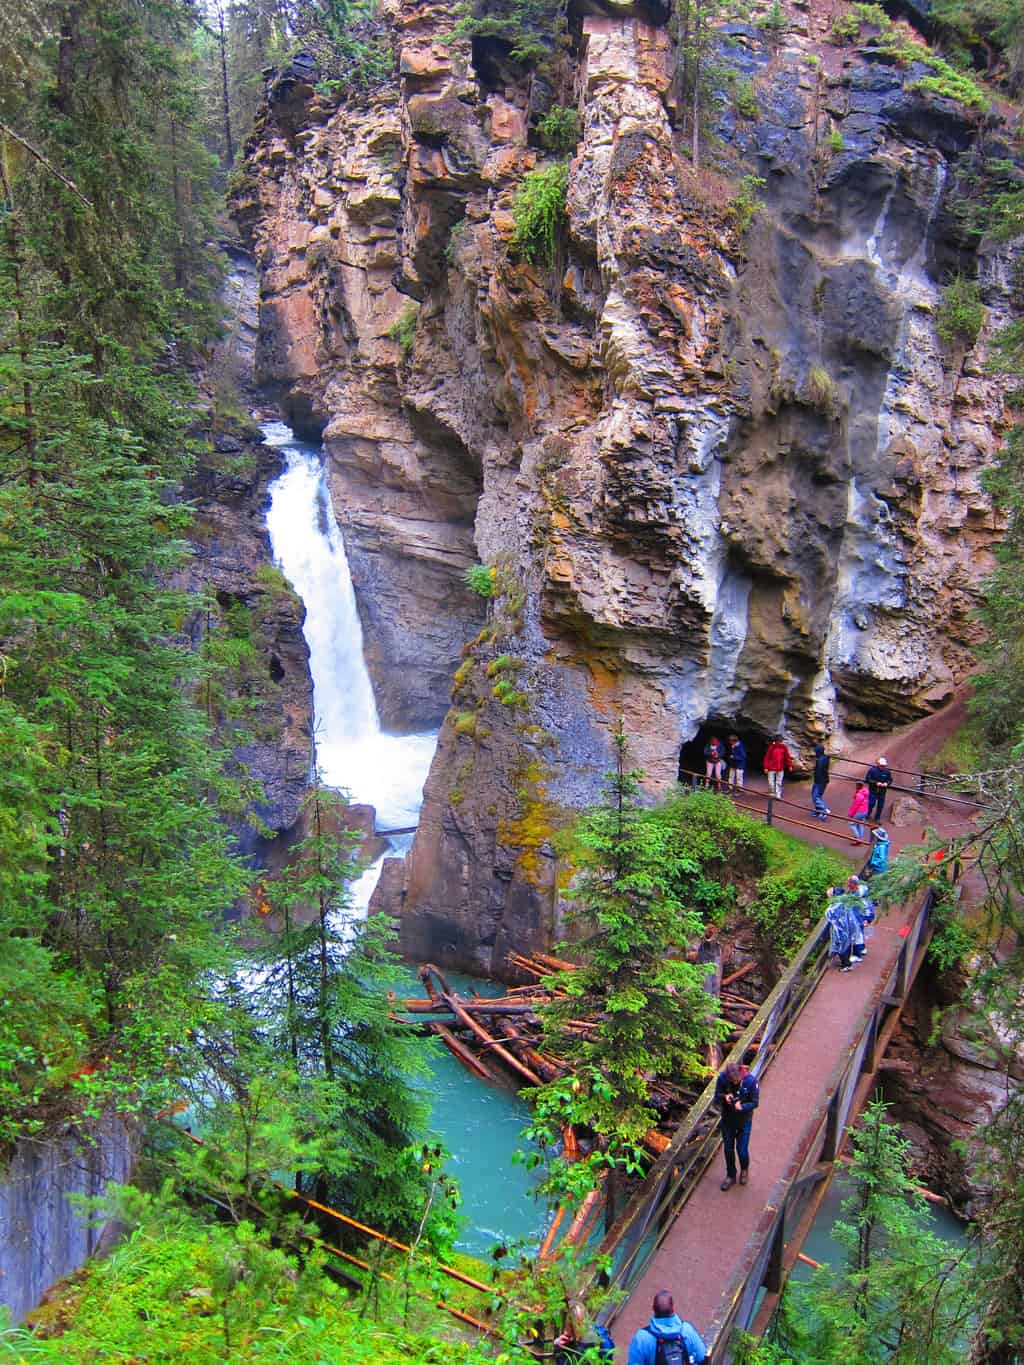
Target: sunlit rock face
[(726, 471)]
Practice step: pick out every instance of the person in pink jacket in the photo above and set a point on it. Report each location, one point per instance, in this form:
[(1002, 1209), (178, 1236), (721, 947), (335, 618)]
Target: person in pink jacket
[(777, 763), (858, 810)]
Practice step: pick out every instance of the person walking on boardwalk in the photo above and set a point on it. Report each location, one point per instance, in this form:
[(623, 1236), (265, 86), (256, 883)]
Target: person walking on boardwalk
[(736, 758), (777, 763), (714, 759), (819, 782), (879, 780), (737, 1097), (858, 810), (879, 860), (846, 930), (667, 1339)]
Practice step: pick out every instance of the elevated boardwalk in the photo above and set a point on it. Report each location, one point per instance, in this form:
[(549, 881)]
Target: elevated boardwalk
[(725, 1255)]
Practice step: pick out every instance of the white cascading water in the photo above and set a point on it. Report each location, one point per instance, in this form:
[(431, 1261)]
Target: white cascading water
[(380, 770)]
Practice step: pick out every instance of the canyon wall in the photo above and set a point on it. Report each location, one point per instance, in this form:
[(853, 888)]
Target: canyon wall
[(717, 458)]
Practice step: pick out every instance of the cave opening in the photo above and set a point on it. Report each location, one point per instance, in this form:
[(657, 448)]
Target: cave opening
[(691, 754)]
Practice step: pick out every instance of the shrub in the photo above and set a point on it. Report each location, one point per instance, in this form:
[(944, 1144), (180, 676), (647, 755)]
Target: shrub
[(961, 313), (481, 579), (403, 329), (821, 389), (465, 723), (744, 99), (787, 906), (533, 30), (845, 29), (560, 130), (775, 21), (835, 141), (746, 203), (539, 212)]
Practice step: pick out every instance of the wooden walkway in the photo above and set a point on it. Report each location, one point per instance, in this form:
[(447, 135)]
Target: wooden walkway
[(705, 1257)]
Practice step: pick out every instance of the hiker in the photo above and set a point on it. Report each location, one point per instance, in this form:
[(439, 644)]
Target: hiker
[(878, 862), (736, 757), (777, 763), (667, 1339), (863, 905), (737, 1096), (879, 780), (819, 782), (846, 932), (714, 756), (858, 810)]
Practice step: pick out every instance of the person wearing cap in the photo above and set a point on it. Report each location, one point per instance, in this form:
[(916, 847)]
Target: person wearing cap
[(879, 780)]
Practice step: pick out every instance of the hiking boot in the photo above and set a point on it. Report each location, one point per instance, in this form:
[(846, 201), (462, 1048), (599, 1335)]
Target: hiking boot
[(743, 1176), (728, 1182)]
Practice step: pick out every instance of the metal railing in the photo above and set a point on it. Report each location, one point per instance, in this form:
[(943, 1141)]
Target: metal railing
[(773, 811), (650, 1214), (779, 1241)]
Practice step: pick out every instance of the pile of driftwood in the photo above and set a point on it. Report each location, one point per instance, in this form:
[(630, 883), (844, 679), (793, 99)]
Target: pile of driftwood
[(500, 1037)]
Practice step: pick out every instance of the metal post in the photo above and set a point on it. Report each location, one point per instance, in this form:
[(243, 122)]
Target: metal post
[(831, 1143), (768, 812), (774, 1277)]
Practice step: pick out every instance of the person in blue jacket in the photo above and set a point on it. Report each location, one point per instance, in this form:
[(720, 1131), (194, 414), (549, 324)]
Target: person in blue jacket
[(667, 1339)]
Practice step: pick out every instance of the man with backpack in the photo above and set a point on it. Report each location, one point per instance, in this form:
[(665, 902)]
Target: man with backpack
[(667, 1339)]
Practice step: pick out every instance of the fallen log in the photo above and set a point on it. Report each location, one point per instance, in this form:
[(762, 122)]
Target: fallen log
[(468, 1059), (735, 976), (469, 1022)]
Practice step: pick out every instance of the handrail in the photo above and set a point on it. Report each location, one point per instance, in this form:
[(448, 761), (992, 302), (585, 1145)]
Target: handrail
[(770, 813), (848, 1087), (649, 1215)]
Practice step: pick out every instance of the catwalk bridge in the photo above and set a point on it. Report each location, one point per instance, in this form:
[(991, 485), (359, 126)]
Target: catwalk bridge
[(815, 1045)]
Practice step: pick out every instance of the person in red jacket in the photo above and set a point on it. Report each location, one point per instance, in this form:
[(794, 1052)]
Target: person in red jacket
[(777, 763)]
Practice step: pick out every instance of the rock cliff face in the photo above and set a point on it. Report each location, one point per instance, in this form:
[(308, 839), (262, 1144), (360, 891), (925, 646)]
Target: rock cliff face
[(718, 460), (252, 619)]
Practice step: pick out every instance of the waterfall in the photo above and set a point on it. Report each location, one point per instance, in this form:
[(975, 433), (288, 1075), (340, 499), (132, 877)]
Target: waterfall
[(381, 770)]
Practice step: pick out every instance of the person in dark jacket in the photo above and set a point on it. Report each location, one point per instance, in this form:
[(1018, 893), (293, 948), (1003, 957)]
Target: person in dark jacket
[(879, 780), (737, 1096), (819, 782), (681, 1340), (736, 757)]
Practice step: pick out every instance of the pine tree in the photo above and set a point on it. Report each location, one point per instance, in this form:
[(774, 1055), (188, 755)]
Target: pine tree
[(654, 1016)]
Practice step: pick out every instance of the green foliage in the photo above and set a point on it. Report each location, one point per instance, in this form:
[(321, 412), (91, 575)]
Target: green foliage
[(315, 1077), (655, 1017), (789, 904), (532, 31), (945, 80), (903, 1294), (207, 1293), (540, 214), (560, 130), (349, 39), (744, 99), (961, 313), (403, 329), (775, 21), (481, 579), (836, 142), (746, 202)]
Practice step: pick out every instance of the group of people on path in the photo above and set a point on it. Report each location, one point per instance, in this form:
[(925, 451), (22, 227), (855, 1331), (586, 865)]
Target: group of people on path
[(868, 801)]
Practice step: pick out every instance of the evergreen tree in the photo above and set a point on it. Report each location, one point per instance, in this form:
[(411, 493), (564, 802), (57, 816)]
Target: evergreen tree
[(654, 1016), (903, 1295)]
